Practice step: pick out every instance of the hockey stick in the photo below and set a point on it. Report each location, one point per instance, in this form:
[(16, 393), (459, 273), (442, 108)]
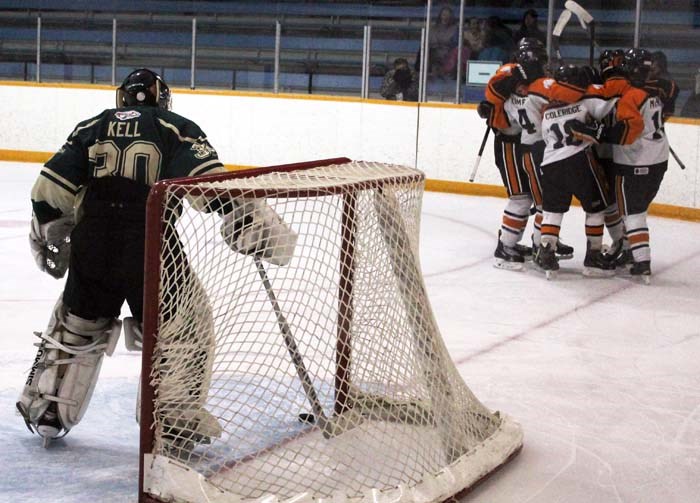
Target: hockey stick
[(478, 157), (585, 20), (675, 156), (558, 29), (294, 353), (587, 23)]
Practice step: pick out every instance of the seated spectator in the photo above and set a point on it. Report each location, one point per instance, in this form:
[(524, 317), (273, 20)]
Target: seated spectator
[(692, 106), (400, 83), (529, 28), (474, 36), (443, 38), (498, 41)]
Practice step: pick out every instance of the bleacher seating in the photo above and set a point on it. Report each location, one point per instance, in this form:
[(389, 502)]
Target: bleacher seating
[(321, 44)]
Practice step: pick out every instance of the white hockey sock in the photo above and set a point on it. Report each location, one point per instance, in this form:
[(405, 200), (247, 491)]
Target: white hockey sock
[(537, 228), (514, 220), (594, 229), (551, 225), (638, 236), (614, 223)]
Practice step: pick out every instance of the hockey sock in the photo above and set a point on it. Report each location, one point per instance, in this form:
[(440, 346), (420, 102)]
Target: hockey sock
[(515, 217), (551, 225), (537, 230), (638, 236), (614, 223), (594, 229)]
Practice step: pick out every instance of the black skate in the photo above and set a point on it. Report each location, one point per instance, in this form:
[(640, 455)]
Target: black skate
[(564, 251), (596, 265), (619, 256), (507, 258), (526, 252), (546, 260), (643, 270)]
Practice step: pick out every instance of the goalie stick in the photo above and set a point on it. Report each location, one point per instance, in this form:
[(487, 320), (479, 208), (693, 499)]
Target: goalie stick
[(478, 157), (295, 355)]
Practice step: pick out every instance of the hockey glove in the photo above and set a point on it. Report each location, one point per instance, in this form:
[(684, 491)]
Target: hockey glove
[(592, 133), (50, 245), (254, 228), (485, 109)]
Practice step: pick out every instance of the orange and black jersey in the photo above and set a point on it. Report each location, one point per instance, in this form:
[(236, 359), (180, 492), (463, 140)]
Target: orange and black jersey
[(541, 93), (145, 144), (499, 88)]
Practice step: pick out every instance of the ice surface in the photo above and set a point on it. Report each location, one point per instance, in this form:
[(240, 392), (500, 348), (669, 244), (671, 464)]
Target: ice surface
[(603, 374)]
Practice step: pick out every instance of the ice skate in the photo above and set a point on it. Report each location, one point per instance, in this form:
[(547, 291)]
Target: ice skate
[(508, 258), (564, 251), (526, 252), (547, 261), (642, 270), (619, 256), (595, 265)]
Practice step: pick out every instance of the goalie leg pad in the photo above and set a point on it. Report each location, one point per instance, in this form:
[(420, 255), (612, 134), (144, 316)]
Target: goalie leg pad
[(66, 367)]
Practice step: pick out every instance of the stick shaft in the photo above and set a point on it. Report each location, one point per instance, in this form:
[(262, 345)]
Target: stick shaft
[(478, 157), (292, 348), (675, 156)]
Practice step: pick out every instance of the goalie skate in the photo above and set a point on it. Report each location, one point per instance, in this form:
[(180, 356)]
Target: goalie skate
[(62, 378)]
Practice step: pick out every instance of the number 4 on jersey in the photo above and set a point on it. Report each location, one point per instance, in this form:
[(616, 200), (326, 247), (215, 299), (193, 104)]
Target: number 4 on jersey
[(525, 122)]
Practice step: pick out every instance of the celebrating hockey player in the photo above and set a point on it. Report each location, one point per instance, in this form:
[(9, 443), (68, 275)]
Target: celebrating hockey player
[(524, 103), (640, 150), (507, 152), (569, 168)]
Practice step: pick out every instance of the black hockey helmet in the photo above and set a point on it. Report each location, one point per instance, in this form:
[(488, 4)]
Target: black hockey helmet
[(637, 65), (532, 56), (572, 75), (610, 58), (144, 87)]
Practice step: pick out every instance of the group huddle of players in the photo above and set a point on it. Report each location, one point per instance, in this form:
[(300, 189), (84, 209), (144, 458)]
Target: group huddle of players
[(593, 133)]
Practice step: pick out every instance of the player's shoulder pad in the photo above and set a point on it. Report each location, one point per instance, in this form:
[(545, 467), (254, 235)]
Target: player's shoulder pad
[(635, 96), (87, 124), (183, 127)]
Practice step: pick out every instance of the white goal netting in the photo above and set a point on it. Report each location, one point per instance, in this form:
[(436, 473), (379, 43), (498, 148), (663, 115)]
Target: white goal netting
[(295, 353)]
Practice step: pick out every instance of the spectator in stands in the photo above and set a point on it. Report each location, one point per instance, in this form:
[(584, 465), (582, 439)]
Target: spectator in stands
[(474, 36), (473, 42), (498, 41), (529, 28), (444, 35), (692, 106), (400, 83)]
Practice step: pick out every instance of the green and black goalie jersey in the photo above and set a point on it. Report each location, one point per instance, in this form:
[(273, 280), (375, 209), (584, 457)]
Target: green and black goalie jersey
[(141, 143)]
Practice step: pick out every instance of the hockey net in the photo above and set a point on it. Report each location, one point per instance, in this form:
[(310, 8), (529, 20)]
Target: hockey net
[(324, 378)]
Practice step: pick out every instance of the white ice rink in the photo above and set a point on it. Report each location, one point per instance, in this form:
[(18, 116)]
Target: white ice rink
[(603, 374)]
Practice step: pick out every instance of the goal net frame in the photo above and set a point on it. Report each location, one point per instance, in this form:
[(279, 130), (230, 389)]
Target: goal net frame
[(457, 477)]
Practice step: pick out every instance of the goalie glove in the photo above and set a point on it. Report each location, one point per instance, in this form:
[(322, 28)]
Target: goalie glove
[(50, 245), (253, 228), (591, 133)]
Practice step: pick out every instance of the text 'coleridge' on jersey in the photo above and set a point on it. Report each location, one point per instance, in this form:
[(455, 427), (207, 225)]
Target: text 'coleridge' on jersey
[(559, 112)]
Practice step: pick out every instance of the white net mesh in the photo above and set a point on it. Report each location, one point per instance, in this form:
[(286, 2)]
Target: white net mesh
[(308, 360)]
